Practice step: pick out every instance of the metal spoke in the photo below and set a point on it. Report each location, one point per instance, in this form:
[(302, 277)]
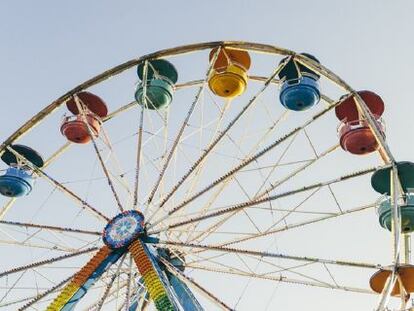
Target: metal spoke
[(128, 285), (199, 171), (272, 255), (224, 184), (298, 225), (223, 133), (58, 185), (81, 107), (46, 293), (190, 281), (110, 283), (47, 261), (140, 130), (119, 110), (284, 279), (245, 163), (263, 200), (6, 207), (274, 185), (113, 292), (47, 227), (53, 157), (182, 128)]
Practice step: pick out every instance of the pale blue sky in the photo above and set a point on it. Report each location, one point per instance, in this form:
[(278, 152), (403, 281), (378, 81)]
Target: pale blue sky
[(48, 47)]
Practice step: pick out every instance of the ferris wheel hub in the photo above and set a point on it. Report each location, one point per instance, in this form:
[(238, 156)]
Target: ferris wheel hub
[(123, 229)]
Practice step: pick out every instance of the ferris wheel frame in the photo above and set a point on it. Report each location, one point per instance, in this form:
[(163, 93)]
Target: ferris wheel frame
[(384, 149)]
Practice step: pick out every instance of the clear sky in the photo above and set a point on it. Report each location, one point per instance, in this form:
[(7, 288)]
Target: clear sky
[(48, 47)]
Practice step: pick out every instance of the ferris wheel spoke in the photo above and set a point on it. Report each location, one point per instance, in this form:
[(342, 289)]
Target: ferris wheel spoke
[(141, 296), (291, 211), (284, 279), (267, 191), (112, 295), (291, 270), (297, 225), (48, 227), (244, 164), (59, 186), (202, 165), (182, 128), (216, 225), (81, 107), (222, 134), (120, 110), (12, 286), (193, 83), (184, 278), (46, 261), (110, 283), (263, 200), (139, 154), (46, 293), (33, 245), (33, 236), (271, 255), (225, 183), (7, 207), (119, 173), (128, 285), (17, 301), (307, 164), (145, 302), (140, 138), (329, 186), (212, 229), (261, 260), (281, 157), (52, 158), (200, 169)]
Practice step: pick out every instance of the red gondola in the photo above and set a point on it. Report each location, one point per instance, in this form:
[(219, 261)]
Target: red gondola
[(355, 134), (74, 127)]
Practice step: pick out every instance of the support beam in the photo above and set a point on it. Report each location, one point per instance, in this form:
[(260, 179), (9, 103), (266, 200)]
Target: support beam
[(284, 279), (272, 255), (263, 200), (190, 281), (47, 227), (47, 261)]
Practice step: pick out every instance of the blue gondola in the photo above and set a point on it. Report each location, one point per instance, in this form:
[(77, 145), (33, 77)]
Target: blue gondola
[(300, 86), (19, 177)]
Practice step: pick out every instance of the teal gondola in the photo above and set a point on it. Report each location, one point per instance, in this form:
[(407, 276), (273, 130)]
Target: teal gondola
[(161, 78), (381, 182)]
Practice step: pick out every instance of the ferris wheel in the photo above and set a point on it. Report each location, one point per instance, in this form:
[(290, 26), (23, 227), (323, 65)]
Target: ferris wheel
[(220, 175)]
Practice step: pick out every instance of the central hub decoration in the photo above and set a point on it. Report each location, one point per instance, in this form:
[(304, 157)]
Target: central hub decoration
[(123, 229)]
